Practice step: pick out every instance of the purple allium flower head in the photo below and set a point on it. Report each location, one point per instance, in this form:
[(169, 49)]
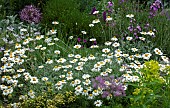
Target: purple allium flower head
[(93, 10), (104, 15), (30, 14)]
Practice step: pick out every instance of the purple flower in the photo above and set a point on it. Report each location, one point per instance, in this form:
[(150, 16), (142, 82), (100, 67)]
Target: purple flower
[(105, 94), (109, 85), (130, 28), (84, 40), (110, 4), (95, 42), (78, 39), (30, 14), (104, 15), (139, 28), (2, 49), (154, 8), (93, 10)]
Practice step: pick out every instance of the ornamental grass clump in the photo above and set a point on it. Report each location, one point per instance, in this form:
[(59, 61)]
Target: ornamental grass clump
[(30, 14)]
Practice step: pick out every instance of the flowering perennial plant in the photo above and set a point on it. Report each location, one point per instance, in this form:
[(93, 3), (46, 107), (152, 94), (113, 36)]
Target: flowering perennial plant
[(109, 86), (30, 14)]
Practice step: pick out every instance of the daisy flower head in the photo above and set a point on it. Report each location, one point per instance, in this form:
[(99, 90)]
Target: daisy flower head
[(86, 76), (34, 80), (70, 37), (98, 103), (44, 78), (130, 16), (108, 43), (151, 33), (95, 21), (53, 31), (147, 56), (129, 38), (142, 38), (91, 57), (106, 50), (116, 44), (114, 38), (49, 61), (93, 39), (134, 49), (55, 22), (165, 59), (57, 52), (83, 32), (91, 25), (77, 46), (158, 51), (109, 18)]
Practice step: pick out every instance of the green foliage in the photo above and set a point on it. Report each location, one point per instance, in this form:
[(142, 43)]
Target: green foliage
[(59, 100), (146, 92), (68, 14)]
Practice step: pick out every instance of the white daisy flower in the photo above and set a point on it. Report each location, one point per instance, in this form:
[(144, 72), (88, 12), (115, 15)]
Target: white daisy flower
[(109, 18), (34, 80), (134, 49), (95, 21), (83, 32), (49, 61), (142, 38), (158, 51), (44, 78), (116, 44), (93, 39), (114, 38), (91, 25), (130, 15), (55, 22), (98, 103), (86, 76), (108, 43), (79, 68), (77, 46), (106, 50), (129, 38), (147, 56), (70, 55), (57, 52)]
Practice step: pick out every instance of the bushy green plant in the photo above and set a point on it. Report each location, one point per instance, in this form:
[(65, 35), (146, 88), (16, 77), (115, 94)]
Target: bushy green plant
[(45, 100), (152, 87)]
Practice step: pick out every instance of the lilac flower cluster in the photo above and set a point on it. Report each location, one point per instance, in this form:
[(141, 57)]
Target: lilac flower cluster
[(109, 85), (30, 14), (154, 8)]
